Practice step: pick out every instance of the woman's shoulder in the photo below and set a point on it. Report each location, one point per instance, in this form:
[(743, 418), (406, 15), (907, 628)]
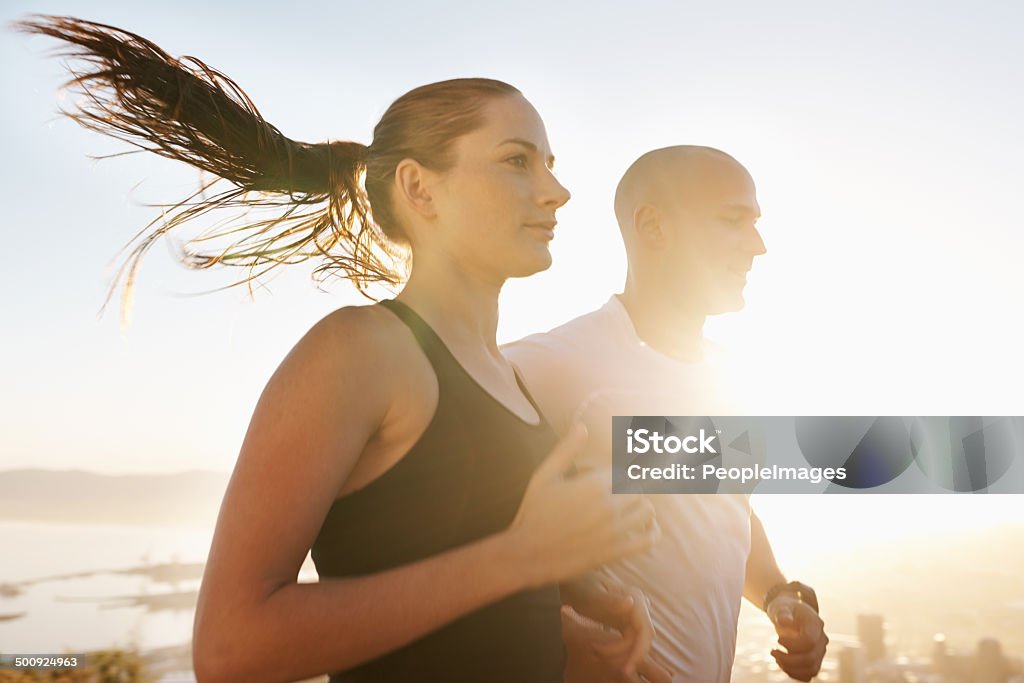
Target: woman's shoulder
[(362, 339), (361, 324)]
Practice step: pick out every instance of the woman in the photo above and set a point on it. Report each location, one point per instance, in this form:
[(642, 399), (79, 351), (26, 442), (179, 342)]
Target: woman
[(394, 440)]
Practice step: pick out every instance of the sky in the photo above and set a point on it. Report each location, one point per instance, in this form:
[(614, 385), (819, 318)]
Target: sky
[(884, 139)]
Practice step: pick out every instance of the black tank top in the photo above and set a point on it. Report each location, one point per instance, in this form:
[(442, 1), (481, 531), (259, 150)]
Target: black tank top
[(462, 480)]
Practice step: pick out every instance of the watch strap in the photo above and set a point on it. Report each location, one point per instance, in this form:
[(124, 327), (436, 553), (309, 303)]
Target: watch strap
[(802, 591)]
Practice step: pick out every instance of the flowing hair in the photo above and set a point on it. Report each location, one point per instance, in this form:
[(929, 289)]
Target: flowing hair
[(310, 198)]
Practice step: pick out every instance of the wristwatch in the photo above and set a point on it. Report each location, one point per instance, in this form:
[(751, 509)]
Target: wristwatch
[(802, 591)]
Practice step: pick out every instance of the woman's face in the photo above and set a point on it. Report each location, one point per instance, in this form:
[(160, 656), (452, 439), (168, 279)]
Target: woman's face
[(495, 208)]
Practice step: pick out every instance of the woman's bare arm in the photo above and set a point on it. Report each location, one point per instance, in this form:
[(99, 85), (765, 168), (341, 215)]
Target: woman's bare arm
[(254, 622)]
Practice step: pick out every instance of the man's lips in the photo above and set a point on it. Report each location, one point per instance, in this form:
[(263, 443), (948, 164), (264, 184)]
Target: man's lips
[(740, 274)]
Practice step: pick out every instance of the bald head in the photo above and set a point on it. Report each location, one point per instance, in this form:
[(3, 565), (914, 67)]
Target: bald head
[(688, 218), (668, 177)]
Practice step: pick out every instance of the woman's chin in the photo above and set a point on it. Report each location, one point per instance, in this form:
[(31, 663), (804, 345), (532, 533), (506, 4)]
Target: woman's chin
[(536, 262)]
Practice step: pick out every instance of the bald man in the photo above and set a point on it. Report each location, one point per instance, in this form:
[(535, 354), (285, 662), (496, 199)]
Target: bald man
[(687, 216)]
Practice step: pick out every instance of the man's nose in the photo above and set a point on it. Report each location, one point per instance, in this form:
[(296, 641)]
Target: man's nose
[(755, 243)]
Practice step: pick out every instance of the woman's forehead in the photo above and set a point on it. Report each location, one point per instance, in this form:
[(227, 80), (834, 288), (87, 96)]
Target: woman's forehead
[(512, 118)]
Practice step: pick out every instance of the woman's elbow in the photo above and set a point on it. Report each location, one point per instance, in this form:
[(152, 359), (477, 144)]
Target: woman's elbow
[(205, 668), (210, 663), (216, 655)]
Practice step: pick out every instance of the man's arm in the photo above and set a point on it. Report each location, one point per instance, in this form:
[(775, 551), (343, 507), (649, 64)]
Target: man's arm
[(762, 570), (801, 630)]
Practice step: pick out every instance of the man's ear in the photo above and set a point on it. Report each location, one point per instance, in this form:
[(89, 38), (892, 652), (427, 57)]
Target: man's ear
[(414, 187), (647, 227)]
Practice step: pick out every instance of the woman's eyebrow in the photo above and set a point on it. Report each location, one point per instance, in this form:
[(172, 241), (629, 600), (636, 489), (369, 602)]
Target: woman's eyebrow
[(520, 141)]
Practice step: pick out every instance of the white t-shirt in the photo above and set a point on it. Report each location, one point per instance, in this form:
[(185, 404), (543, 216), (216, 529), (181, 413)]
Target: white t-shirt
[(596, 366)]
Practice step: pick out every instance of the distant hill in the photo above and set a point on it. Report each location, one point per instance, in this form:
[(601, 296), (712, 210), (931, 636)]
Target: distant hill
[(181, 499)]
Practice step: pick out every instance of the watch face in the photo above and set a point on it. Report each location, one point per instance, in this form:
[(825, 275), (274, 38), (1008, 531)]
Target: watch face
[(806, 594)]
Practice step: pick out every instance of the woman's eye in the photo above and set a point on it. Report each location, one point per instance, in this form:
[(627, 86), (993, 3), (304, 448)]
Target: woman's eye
[(519, 161)]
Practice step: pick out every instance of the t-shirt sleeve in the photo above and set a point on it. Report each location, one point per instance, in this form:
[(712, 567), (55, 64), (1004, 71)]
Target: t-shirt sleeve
[(546, 369)]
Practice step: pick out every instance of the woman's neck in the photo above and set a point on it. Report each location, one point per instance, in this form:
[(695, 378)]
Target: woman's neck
[(462, 308)]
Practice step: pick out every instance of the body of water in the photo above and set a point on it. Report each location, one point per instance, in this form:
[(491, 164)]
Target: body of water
[(69, 585), (83, 587)]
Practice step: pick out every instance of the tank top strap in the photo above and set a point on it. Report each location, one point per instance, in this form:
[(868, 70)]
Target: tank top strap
[(527, 394), (433, 348), (446, 366)]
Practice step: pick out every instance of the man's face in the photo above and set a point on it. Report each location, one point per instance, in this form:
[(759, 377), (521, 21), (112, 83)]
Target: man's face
[(711, 238)]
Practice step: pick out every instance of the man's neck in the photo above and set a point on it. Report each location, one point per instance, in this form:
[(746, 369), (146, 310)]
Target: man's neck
[(667, 327)]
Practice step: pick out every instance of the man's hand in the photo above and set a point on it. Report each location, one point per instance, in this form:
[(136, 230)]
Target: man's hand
[(802, 632), (597, 655), (623, 609)]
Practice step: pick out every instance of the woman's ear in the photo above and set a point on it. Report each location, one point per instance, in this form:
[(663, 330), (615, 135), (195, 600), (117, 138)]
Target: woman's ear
[(414, 187)]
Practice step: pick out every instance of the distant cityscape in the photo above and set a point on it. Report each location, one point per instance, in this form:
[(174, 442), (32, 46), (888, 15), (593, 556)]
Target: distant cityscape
[(866, 658), (883, 603)]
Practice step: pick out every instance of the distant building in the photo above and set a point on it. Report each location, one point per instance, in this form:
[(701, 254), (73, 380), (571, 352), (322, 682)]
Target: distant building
[(871, 631), (942, 663), (851, 665), (990, 666)]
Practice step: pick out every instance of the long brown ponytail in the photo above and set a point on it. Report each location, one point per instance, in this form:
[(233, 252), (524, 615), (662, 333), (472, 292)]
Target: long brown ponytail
[(310, 195)]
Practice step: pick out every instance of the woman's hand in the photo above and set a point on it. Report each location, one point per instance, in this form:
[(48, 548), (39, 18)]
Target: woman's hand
[(567, 525)]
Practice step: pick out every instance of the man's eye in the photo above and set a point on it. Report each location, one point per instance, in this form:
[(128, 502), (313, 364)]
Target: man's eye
[(519, 161)]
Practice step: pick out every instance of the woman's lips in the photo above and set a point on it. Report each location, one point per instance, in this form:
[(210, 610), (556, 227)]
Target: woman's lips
[(546, 230)]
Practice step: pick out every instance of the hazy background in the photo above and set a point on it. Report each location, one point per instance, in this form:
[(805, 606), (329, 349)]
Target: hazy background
[(884, 138)]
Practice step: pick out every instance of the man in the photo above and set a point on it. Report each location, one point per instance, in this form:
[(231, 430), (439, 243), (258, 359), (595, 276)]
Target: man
[(687, 216)]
